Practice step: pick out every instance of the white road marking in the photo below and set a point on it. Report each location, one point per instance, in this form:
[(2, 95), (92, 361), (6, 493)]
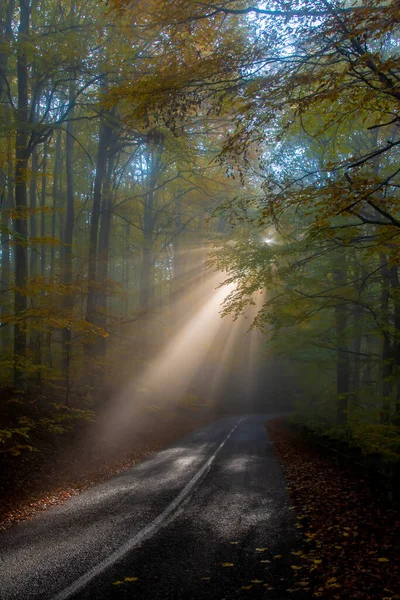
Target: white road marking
[(144, 533)]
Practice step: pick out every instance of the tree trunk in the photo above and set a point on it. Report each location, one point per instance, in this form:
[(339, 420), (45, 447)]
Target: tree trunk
[(104, 252), (358, 319), (6, 36), (342, 364), (147, 266), (33, 206), (67, 274), (387, 352), (101, 162), (43, 192), (56, 192), (125, 274), (395, 284), (20, 221), (6, 174), (5, 305)]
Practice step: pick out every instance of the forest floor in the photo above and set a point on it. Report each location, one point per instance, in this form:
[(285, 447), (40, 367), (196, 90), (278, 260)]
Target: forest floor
[(350, 545), (36, 481)]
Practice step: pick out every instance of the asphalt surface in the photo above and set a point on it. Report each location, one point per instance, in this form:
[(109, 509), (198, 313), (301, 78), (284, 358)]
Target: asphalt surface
[(203, 519)]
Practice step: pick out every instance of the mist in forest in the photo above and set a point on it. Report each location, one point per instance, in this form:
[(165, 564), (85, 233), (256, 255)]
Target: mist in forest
[(196, 360)]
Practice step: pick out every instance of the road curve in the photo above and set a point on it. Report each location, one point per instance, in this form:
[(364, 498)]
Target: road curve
[(201, 519)]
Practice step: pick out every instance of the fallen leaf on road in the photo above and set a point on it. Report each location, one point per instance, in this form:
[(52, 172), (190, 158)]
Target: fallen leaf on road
[(227, 564)]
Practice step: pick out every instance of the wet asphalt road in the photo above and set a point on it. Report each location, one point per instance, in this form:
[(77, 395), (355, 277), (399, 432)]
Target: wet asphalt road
[(199, 520)]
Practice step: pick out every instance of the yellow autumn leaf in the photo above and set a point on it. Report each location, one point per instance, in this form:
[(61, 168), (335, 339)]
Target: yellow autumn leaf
[(246, 587), (295, 568), (131, 579), (256, 581), (227, 564), (234, 542), (265, 561), (118, 582), (278, 556), (261, 549), (317, 561), (383, 560)]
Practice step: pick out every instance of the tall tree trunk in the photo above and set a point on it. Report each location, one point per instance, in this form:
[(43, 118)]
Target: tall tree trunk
[(6, 163), (56, 192), (358, 318), (6, 36), (6, 15), (20, 221), (104, 252), (67, 274), (395, 284), (5, 305), (179, 257), (33, 217), (101, 162), (126, 268), (43, 192), (387, 352), (147, 266), (342, 360)]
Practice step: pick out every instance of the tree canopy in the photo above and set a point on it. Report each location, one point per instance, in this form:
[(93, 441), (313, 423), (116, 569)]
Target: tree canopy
[(135, 132)]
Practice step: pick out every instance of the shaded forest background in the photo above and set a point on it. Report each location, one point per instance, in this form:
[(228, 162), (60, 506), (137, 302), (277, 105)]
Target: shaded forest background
[(141, 142)]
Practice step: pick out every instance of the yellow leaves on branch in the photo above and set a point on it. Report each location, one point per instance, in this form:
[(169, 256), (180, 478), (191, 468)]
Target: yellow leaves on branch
[(26, 212), (52, 316)]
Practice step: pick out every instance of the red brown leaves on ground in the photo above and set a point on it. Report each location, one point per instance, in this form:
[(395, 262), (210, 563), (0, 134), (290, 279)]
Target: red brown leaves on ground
[(350, 533), (38, 481), (60, 487)]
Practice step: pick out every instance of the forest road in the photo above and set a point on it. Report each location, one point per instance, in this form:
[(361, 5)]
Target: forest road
[(203, 518)]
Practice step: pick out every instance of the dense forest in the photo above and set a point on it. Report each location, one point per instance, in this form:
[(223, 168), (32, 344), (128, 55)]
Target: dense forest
[(152, 151)]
